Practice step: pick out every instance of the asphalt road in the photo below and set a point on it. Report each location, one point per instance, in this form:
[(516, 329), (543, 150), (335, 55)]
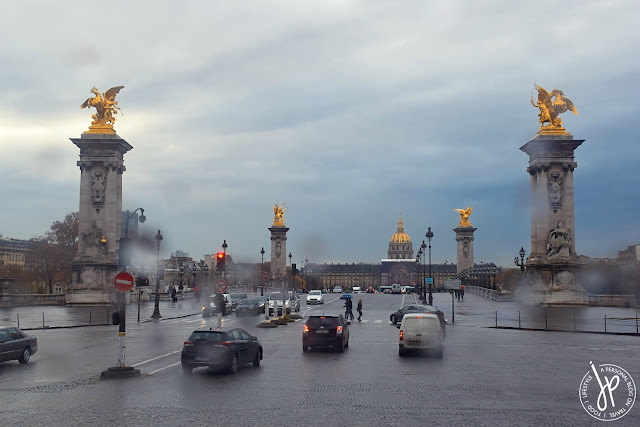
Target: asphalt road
[(487, 377)]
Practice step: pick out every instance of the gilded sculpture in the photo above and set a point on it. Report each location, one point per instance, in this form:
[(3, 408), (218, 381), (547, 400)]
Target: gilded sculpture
[(106, 107), (464, 216), (278, 211), (551, 105)]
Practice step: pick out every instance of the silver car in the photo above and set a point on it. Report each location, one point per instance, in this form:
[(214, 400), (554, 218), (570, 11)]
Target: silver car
[(315, 297)]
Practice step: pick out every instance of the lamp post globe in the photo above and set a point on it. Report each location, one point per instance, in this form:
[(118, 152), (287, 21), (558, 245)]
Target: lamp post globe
[(156, 307)]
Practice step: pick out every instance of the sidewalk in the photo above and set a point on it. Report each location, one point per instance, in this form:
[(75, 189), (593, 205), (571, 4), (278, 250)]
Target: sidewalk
[(478, 311), (63, 316)]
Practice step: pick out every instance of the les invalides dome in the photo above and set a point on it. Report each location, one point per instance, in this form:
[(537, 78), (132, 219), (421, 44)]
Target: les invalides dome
[(400, 246)]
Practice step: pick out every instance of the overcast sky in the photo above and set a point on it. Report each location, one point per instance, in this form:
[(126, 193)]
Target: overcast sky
[(348, 111)]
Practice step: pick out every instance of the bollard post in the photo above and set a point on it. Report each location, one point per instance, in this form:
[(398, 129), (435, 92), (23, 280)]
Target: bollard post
[(43, 320), (496, 318), (19, 321), (605, 322), (219, 320), (519, 327), (546, 323), (636, 325), (89, 317)]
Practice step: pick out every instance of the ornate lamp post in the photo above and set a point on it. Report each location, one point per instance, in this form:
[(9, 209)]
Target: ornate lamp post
[(194, 271), (206, 275), (224, 250), (306, 276), (262, 273), (429, 235), (291, 267), (156, 308), (181, 274), (423, 289), (520, 262)]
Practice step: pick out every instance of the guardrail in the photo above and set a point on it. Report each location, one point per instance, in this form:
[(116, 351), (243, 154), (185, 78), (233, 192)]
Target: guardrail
[(490, 293), (19, 300)]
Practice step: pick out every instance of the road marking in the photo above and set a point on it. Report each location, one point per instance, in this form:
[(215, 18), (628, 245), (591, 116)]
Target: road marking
[(377, 321), (156, 358), (162, 369), (365, 321), (402, 305)]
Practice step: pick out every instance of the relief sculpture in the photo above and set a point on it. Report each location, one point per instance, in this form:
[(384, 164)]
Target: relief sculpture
[(555, 191), (559, 244), (98, 187)]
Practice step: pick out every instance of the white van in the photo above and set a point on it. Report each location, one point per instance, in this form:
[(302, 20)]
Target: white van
[(356, 290), (421, 331), (396, 288)]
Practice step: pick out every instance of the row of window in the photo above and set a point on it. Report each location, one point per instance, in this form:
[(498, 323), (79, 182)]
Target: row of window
[(397, 248), (14, 257)]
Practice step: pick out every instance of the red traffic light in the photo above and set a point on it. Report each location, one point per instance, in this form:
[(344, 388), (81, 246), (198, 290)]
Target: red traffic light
[(220, 255)]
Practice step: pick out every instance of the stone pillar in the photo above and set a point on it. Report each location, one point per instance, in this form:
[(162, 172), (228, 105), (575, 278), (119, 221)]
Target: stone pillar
[(278, 252), (553, 262), (99, 217), (464, 247)]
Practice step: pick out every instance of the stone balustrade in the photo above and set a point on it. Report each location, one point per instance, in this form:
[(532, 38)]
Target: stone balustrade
[(490, 293)]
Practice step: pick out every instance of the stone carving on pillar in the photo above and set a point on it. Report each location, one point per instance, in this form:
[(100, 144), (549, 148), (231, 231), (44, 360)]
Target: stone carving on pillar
[(98, 188), (555, 191), (559, 246), (465, 249), (94, 242)]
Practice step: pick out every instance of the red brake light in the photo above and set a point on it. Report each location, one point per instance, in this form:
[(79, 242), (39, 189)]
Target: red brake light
[(401, 335), (339, 330), (306, 329), (225, 343), (188, 343), (418, 317)]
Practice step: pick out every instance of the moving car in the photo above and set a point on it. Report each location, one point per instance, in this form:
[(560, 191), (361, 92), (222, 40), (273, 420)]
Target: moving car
[(325, 330), (396, 288), (236, 298), (16, 345), (397, 316), (420, 332), (337, 289), (211, 309), (249, 306), (315, 297), (370, 290), (356, 290), (275, 303), (294, 301), (407, 289), (220, 348)]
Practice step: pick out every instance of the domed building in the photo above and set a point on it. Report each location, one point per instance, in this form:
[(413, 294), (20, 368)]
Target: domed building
[(400, 246)]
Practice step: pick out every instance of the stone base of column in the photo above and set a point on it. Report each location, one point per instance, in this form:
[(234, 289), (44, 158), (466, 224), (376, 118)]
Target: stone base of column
[(553, 285), (92, 284), (119, 373)]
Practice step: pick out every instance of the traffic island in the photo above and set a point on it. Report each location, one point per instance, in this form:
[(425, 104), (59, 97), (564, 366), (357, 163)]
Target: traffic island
[(120, 372), (295, 316), (266, 324)]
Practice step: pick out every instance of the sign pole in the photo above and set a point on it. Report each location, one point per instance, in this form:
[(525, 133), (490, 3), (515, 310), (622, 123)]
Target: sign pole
[(122, 334)]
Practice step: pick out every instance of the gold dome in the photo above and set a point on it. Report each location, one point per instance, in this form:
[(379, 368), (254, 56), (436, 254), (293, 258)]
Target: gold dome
[(400, 236)]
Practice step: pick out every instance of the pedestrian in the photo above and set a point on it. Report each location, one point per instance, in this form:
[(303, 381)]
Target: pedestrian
[(173, 294), (348, 313), (359, 309), (462, 292), (196, 291)]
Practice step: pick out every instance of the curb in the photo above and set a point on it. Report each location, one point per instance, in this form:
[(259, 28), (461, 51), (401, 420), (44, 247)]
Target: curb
[(633, 334), (104, 324)]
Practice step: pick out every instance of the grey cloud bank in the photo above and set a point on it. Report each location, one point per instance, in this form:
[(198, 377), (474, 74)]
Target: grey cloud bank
[(348, 111)]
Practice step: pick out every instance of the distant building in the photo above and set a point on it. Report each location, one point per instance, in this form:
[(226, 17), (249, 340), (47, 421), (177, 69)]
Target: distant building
[(13, 251), (631, 255), (400, 246)]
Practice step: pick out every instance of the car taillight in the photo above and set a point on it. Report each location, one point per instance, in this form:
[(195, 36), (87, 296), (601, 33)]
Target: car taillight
[(188, 344), (439, 332), (339, 330), (306, 329), (225, 343), (401, 335)]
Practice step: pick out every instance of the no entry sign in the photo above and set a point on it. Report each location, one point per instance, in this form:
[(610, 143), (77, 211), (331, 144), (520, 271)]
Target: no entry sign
[(220, 286), (123, 281)]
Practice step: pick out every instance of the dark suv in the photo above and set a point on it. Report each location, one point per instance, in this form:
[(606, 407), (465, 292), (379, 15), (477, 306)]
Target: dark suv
[(327, 331)]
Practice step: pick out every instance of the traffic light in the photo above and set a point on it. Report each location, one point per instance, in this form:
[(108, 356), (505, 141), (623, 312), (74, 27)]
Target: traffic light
[(294, 270), (220, 256)]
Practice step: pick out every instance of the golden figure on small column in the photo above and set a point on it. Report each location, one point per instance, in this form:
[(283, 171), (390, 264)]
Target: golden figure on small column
[(278, 211), (551, 108), (464, 216), (106, 107)]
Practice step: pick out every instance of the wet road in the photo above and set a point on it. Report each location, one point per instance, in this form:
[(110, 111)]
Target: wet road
[(487, 376)]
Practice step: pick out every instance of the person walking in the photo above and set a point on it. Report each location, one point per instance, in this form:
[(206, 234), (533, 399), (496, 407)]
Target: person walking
[(359, 309), (348, 313)]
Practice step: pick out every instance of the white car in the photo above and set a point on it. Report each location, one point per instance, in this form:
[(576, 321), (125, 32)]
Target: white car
[(337, 290), (315, 297), (420, 332), (357, 290), (275, 304)]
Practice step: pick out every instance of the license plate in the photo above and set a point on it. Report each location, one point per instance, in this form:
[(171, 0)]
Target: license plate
[(413, 343), (322, 331)]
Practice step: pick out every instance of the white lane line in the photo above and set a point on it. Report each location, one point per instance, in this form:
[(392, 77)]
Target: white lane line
[(365, 321), (377, 321), (403, 296), (156, 358), (162, 369)]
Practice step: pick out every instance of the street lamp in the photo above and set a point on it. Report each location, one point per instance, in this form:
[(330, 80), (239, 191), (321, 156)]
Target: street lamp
[(224, 250), (291, 268), (156, 308), (194, 271), (423, 249), (306, 276), (520, 262), (262, 273), (429, 235), (206, 275)]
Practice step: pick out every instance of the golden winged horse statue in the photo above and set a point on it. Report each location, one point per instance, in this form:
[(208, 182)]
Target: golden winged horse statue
[(464, 216), (551, 105), (106, 107)]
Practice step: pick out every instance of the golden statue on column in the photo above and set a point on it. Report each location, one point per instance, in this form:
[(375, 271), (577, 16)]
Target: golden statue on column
[(106, 107), (278, 211), (551, 105), (464, 216)]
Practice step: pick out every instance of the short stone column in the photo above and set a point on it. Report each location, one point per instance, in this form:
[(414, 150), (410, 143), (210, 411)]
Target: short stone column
[(278, 252), (464, 247)]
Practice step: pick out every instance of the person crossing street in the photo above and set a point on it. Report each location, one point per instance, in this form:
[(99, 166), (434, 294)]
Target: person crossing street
[(359, 309)]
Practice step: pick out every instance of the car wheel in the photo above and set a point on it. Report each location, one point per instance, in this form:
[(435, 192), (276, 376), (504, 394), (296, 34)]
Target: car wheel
[(186, 368), (438, 353), (402, 352), (237, 315), (305, 348), (341, 347), (234, 364), (347, 344), (393, 319), (25, 356), (256, 361)]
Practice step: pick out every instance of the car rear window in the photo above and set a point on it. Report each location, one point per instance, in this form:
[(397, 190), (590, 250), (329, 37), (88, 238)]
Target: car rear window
[(238, 296), (316, 321), (422, 323), (249, 301), (209, 336), (275, 295)]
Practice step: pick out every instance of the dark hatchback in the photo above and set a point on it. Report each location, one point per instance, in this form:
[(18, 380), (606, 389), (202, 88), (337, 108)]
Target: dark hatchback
[(325, 331), (396, 317), (249, 306), (16, 345), (220, 348), (237, 298)]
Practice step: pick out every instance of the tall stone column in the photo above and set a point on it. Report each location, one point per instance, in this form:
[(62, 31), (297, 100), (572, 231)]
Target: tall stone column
[(100, 217), (278, 253), (464, 247), (553, 262)]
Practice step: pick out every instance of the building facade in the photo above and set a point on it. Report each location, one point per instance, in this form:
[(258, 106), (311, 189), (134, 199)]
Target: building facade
[(400, 246), (13, 251)]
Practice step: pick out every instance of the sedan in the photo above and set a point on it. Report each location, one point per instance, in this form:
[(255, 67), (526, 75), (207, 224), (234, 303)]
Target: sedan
[(249, 306), (326, 330), (220, 348), (396, 317), (16, 345)]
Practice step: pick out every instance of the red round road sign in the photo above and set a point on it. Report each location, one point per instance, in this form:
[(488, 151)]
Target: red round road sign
[(220, 286), (123, 281)]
